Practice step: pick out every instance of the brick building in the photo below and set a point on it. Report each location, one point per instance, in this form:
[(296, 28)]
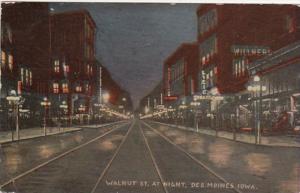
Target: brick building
[(25, 54), (72, 60), (180, 72), (230, 37)]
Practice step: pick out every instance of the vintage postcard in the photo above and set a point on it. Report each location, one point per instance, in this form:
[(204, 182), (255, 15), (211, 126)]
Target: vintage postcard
[(102, 97)]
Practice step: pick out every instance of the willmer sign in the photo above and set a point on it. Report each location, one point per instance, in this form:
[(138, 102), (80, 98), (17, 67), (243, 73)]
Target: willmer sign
[(249, 50)]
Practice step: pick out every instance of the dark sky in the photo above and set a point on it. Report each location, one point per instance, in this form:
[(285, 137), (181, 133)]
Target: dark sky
[(134, 39)]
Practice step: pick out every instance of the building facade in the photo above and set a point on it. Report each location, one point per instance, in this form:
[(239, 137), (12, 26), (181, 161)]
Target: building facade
[(25, 57), (73, 67), (180, 72), (230, 37)]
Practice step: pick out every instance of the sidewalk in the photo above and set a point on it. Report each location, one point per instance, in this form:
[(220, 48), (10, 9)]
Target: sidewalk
[(277, 141), (6, 136)]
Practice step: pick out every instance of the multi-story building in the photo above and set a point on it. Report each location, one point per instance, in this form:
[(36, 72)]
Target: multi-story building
[(72, 60), (230, 37), (153, 100), (25, 54), (105, 85), (180, 72)]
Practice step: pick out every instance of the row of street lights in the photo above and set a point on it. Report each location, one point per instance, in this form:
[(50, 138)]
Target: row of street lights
[(256, 88)]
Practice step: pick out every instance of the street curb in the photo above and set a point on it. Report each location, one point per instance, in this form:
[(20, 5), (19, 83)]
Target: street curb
[(40, 136), (244, 142), (75, 130)]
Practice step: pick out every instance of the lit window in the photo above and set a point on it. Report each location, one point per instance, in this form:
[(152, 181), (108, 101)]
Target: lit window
[(65, 87), (10, 61), (26, 77), (55, 88), (30, 78), (66, 68), (22, 75), (78, 89), (87, 88), (56, 66), (87, 69), (3, 59)]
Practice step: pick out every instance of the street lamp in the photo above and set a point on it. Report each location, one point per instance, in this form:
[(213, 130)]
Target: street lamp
[(46, 104), (195, 105), (106, 97), (63, 106), (257, 87), (14, 100), (81, 111)]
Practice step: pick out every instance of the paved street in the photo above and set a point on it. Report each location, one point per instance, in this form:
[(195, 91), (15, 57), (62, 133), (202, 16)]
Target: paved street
[(146, 157)]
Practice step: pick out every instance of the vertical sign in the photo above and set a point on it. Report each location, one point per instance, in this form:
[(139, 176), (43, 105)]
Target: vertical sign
[(100, 84)]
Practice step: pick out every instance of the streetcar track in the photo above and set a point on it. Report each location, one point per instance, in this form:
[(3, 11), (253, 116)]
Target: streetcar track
[(23, 174), (191, 156), (153, 160), (112, 159)]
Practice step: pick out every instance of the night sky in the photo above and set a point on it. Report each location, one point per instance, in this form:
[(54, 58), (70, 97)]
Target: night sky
[(134, 39)]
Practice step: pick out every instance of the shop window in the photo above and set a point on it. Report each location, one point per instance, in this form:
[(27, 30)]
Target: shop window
[(55, 88)]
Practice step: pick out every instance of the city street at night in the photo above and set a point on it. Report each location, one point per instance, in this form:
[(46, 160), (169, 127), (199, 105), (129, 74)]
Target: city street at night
[(149, 97), (153, 155)]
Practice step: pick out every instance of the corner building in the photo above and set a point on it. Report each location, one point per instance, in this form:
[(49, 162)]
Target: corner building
[(73, 65), (230, 37)]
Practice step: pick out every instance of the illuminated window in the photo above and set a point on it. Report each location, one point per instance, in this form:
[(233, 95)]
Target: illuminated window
[(30, 78), (78, 88), (65, 87), (87, 88), (56, 66), (26, 76), (3, 58), (66, 68), (22, 75), (55, 88), (88, 69), (208, 48), (10, 62)]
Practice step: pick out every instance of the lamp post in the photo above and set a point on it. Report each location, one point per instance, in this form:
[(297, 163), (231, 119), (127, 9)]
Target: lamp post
[(46, 104), (124, 101), (195, 106), (81, 110), (14, 100), (63, 107), (257, 88)]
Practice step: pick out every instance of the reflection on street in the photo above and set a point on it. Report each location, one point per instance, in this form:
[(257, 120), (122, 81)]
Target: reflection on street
[(258, 164), (220, 154), (291, 184)]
